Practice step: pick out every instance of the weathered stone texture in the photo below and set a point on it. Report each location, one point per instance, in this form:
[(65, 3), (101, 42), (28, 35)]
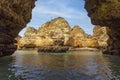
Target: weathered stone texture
[(14, 15), (106, 13), (50, 33)]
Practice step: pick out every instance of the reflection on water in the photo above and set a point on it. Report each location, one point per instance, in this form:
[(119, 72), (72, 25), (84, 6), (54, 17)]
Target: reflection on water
[(73, 65)]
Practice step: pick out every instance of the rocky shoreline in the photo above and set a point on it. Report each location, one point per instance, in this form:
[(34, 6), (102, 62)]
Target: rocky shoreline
[(60, 49), (88, 49), (53, 49)]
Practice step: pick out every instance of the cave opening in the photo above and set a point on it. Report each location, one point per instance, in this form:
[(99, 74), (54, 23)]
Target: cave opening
[(48, 16), (72, 11)]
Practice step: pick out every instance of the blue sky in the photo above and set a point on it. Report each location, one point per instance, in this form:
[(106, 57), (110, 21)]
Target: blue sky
[(72, 10)]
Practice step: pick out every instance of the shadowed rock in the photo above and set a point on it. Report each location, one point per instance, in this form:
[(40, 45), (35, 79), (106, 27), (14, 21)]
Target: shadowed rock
[(106, 13), (54, 49), (14, 15)]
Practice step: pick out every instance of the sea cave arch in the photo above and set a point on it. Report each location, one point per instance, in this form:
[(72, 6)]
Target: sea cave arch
[(15, 14)]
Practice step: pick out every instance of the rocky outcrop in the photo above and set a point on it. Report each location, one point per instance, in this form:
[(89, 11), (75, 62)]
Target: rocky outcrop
[(57, 35), (106, 13), (57, 29), (90, 43), (55, 49), (113, 42), (14, 15), (51, 33), (29, 38), (101, 34), (78, 38)]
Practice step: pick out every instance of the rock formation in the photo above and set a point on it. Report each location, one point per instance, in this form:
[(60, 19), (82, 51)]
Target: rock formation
[(114, 41), (90, 43), (57, 29), (53, 49), (18, 38), (106, 13), (76, 37), (14, 15), (29, 38), (101, 34), (51, 33)]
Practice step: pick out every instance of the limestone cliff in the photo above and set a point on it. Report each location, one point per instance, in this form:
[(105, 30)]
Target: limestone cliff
[(76, 36), (90, 43), (50, 33), (14, 15), (101, 34), (106, 13), (56, 29), (29, 38), (114, 41), (53, 33)]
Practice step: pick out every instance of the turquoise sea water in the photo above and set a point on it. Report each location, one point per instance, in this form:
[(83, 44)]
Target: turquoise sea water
[(73, 65)]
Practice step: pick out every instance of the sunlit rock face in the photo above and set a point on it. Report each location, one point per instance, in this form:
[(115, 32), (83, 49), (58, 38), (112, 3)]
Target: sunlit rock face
[(106, 13), (54, 32), (77, 34), (14, 15), (57, 29), (29, 37), (90, 43), (101, 34), (18, 38)]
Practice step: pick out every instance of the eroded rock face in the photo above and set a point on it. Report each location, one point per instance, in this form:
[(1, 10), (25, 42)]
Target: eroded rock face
[(51, 33), (29, 37), (114, 41), (106, 13), (14, 15), (100, 33), (76, 36), (57, 29)]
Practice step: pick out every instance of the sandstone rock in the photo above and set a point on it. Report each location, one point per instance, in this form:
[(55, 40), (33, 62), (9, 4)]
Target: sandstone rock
[(29, 37), (76, 36), (44, 42), (14, 15), (101, 34), (55, 29), (51, 33), (104, 12), (18, 38), (114, 41), (90, 43), (55, 49)]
